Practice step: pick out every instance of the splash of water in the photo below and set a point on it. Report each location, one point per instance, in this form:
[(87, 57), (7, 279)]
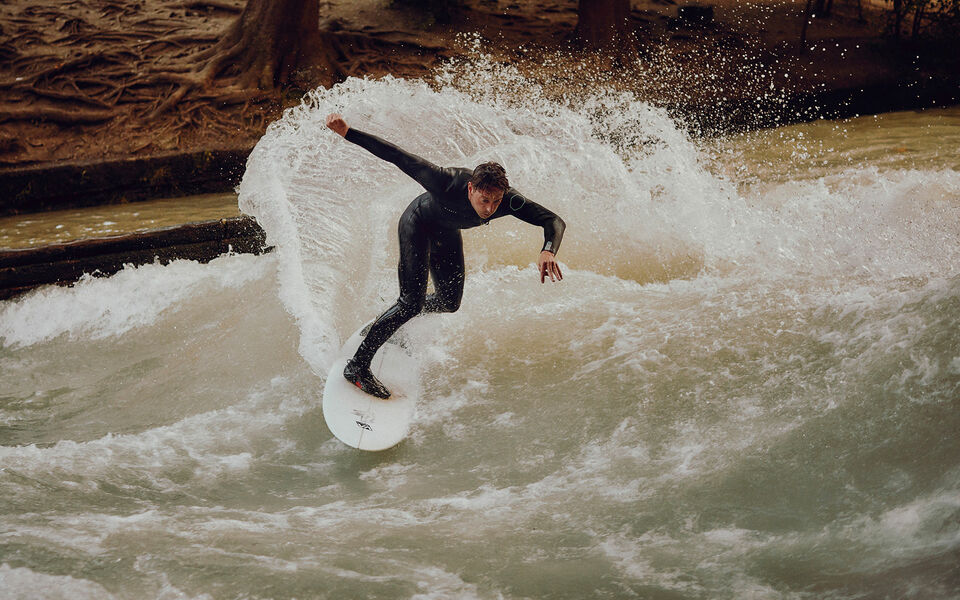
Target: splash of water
[(636, 191)]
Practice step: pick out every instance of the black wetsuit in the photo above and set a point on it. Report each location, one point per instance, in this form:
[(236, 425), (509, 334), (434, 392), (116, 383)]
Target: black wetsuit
[(430, 238)]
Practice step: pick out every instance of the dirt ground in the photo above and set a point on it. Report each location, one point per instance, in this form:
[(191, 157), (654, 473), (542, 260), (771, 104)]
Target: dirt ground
[(82, 79)]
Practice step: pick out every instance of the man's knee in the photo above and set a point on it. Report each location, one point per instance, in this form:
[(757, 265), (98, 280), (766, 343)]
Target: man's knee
[(436, 303), (451, 305), (411, 306)]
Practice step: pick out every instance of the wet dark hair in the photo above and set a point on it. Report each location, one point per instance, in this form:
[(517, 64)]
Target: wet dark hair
[(489, 176)]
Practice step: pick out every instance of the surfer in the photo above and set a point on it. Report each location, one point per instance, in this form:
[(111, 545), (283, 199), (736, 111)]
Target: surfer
[(430, 240)]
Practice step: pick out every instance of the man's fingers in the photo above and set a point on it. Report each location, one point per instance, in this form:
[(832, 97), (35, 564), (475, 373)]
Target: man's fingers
[(552, 269)]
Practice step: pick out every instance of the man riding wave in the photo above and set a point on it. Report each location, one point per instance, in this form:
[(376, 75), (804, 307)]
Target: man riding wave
[(430, 240)]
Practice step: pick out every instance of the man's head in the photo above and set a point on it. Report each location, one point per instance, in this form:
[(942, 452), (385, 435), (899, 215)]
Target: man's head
[(486, 188)]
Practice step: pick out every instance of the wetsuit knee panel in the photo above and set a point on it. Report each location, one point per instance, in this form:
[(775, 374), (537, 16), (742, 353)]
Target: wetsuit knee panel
[(409, 307), (437, 304), (451, 305)]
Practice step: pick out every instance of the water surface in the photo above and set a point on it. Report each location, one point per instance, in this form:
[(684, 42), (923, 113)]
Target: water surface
[(745, 387), (61, 226)]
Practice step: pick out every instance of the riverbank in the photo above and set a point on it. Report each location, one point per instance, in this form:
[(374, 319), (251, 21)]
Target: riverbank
[(746, 68)]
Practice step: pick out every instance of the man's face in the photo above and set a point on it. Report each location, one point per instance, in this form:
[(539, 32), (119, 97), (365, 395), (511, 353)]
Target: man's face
[(485, 202)]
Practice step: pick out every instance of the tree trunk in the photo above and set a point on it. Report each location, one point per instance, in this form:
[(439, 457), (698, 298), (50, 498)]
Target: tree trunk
[(274, 43), (917, 20), (807, 15), (602, 24), (897, 17)]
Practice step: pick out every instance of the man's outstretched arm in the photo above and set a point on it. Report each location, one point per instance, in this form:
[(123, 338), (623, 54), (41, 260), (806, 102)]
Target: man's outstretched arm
[(434, 179)]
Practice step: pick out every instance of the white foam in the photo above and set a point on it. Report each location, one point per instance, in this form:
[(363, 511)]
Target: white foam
[(691, 563), (22, 583), (97, 308), (159, 452), (331, 208), (862, 221), (636, 191), (883, 324), (435, 583), (897, 538)]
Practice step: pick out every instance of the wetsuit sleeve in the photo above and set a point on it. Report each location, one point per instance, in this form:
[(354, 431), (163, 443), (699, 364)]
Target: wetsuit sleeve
[(531, 212), (434, 179)]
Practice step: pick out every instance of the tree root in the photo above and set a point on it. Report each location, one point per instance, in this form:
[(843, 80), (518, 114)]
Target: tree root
[(167, 82), (85, 61), (54, 115), (217, 59), (181, 40), (66, 97), (215, 4)]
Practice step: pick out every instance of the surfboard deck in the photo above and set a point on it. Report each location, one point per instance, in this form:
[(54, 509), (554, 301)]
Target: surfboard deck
[(364, 421)]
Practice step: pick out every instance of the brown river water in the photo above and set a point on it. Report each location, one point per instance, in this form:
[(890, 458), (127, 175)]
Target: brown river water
[(746, 386), (57, 227)]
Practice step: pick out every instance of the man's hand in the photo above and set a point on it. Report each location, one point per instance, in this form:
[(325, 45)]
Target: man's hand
[(548, 266), (337, 124)]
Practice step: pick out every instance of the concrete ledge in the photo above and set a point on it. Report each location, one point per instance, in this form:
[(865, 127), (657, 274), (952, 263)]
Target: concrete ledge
[(76, 184), (63, 264)]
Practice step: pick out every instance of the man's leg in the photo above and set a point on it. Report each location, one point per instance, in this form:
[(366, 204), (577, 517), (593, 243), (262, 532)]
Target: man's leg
[(412, 272), (447, 271)]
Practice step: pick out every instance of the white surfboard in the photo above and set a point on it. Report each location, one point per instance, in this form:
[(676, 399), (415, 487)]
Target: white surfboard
[(364, 421)]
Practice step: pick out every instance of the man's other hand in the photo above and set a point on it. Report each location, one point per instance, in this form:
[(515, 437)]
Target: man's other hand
[(549, 266), (337, 124)]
